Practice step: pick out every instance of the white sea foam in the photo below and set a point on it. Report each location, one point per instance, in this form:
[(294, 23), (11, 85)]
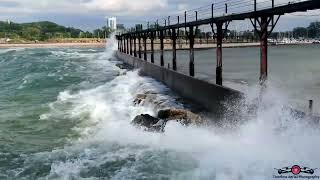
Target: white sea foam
[(272, 138), (2, 51)]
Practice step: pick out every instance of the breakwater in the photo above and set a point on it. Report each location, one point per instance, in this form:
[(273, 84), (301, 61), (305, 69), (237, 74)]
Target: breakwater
[(210, 96)]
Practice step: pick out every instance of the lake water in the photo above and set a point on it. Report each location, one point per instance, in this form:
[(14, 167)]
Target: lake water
[(66, 113), (293, 70)]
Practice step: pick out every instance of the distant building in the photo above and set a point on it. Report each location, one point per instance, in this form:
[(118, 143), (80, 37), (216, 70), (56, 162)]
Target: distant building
[(112, 23), (8, 21)]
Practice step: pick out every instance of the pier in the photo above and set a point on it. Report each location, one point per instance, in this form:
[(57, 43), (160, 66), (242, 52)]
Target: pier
[(263, 21)]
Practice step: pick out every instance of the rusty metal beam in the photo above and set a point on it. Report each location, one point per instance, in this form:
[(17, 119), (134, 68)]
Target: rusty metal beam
[(128, 45), (130, 39), (264, 28), (145, 47), (161, 48), (191, 43), (139, 44), (219, 36), (152, 46), (174, 49), (120, 42), (264, 50), (135, 46), (125, 46)]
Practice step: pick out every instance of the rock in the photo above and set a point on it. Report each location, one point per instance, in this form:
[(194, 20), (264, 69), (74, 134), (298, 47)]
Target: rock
[(152, 98), (124, 66), (145, 120), (140, 99), (183, 116), (148, 122)]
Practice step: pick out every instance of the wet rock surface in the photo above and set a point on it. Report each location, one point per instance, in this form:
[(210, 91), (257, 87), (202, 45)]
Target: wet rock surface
[(124, 66), (168, 112), (149, 123), (157, 124), (185, 117)]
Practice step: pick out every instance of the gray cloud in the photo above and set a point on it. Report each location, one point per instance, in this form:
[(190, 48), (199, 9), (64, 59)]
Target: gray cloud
[(90, 14), (8, 4)]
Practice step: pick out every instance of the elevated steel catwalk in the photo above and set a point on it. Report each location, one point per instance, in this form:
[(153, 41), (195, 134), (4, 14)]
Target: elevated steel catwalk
[(278, 10), (263, 22)]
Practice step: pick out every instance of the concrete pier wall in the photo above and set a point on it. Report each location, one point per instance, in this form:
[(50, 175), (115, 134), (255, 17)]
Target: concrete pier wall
[(210, 96)]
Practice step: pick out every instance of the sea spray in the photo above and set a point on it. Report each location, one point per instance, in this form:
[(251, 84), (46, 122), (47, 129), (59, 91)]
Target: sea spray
[(270, 138), (88, 123)]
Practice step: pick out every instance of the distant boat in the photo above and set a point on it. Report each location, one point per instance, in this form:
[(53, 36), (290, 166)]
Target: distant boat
[(292, 41)]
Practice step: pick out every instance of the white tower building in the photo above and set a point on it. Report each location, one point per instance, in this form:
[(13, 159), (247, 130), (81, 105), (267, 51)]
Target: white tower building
[(112, 23)]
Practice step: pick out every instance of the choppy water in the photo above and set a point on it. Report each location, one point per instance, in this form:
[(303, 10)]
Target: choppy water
[(65, 114)]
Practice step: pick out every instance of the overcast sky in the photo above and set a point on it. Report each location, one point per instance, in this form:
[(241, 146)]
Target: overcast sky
[(90, 14)]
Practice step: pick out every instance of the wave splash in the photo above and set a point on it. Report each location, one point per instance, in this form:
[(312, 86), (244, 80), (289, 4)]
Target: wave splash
[(109, 146)]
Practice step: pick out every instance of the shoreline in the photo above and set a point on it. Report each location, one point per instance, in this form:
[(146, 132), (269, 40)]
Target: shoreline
[(167, 47), (52, 45)]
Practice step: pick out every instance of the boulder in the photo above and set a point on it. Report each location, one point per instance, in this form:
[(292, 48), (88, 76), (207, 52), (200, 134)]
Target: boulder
[(124, 66), (183, 116), (149, 123)]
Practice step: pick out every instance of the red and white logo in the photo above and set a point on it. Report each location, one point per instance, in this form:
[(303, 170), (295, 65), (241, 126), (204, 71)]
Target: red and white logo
[(296, 170)]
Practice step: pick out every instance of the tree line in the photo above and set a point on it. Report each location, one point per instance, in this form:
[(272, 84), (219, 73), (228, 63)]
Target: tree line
[(45, 30), (312, 31)]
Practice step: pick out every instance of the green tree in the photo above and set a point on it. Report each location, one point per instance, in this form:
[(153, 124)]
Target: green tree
[(98, 33), (314, 29), (31, 33), (106, 31), (43, 30), (299, 32)]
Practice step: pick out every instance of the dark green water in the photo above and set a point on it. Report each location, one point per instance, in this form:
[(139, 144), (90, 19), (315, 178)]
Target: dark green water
[(30, 80), (65, 114)]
